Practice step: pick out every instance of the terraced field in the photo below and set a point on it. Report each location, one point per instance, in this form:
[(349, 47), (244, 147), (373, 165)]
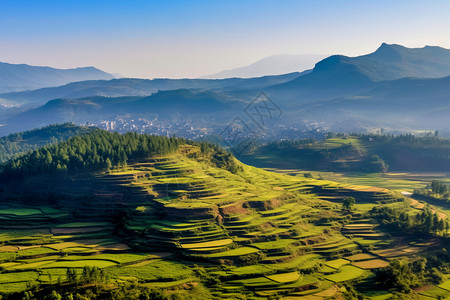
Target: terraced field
[(257, 233)]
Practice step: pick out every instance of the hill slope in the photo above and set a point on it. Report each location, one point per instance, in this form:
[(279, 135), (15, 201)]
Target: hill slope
[(14, 77)]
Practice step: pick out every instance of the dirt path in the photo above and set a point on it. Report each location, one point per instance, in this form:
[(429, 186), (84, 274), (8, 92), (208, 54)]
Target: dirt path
[(418, 205)]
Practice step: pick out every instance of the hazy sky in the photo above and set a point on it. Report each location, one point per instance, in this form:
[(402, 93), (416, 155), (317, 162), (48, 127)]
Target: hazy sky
[(145, 38)]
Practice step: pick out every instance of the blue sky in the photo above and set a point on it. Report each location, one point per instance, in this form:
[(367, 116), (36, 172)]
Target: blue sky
[(144, 38)]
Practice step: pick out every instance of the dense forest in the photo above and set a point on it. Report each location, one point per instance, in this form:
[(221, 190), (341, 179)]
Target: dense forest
[(18, 143)]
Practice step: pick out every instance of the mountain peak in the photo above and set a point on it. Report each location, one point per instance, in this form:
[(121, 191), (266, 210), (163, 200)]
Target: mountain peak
[(390, 52), (390, 46)]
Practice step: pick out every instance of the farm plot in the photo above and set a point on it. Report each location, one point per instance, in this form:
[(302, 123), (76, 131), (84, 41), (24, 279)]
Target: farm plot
[(445, 285), (371, 264), (234, 252), (216, 243), (163, 270), (337, 263), (120, 258), (360, 257), (346, 273), (80, 264), (285, 277)]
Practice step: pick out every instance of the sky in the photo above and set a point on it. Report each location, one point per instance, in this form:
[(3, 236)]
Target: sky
[(187, 39)]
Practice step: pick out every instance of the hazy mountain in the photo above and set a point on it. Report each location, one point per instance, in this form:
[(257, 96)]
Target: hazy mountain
[(408, 103), (139, 87), (341, 75), (272, 65), (341, 93), (404, 103), (20, 77), (188, 103)]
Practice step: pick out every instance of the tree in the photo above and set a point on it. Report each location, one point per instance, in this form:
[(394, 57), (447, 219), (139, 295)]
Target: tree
[(54, 296), (348, 203), (108, 164), (48, 158), (438, 187), (71, 275)]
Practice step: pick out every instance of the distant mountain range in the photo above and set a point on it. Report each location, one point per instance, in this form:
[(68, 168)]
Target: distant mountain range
[(139, 87), (408, 103), (395, 88), (272, 65), (339, 75), (190, 103), (21, 77), (391, 62)]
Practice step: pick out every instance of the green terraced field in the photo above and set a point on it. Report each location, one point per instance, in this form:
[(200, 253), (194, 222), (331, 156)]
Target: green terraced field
[(185, 223)]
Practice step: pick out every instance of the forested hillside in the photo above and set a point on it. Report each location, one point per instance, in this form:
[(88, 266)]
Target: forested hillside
[(96, 151), (19, 143), (102, 150), (357, 152)]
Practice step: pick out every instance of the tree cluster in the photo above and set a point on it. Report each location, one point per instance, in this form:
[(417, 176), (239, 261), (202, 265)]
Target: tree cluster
[(405, 275), (438, 187), (427, 222), (219, 157), (437, 190)]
